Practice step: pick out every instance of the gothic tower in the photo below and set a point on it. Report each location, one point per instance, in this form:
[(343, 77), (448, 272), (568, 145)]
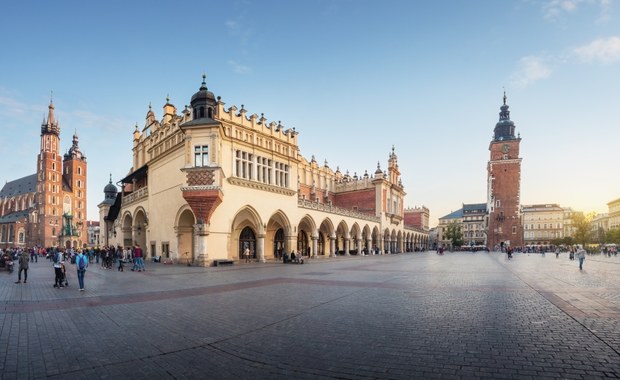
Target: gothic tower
[(504, 184), (74, 196), (49, 182)]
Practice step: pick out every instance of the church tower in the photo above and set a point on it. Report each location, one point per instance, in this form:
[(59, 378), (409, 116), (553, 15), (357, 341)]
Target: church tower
[(504, 184), (74, 196), (49, 182)]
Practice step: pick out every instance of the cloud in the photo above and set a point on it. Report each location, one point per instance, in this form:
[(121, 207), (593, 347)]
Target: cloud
[(554, 9), (239, 68), (530, 70), (605, 51)]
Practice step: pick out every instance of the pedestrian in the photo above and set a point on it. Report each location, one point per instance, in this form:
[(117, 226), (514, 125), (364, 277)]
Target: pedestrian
[(23, 266), (82, 263), (581, 255), (246, 254), (137, 262), (59, 277)]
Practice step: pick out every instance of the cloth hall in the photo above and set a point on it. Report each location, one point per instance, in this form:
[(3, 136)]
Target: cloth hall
[(211, 181)]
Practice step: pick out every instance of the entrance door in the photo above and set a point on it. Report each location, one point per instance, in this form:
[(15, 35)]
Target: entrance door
[(247, 239)]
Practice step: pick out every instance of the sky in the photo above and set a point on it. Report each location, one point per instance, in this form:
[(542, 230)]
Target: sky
[(354, 78)]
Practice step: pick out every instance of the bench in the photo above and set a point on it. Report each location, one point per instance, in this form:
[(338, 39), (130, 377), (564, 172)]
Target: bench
[(219, 263)]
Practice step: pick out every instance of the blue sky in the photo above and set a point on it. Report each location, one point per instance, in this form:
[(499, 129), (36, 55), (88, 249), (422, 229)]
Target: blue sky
[(353, 77)]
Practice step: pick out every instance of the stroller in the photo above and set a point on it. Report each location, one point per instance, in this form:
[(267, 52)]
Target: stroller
[(63, 277)]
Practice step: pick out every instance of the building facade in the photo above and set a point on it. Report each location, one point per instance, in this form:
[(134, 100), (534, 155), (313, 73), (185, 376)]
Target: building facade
[(211, 181), (542, 223), (614, 213), (442, 228), (475, 224), (47, 208), (504, 184)]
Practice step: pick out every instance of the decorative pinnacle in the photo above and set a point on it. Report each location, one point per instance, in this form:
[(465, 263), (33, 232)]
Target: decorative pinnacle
[(203, 86), (504, 96)]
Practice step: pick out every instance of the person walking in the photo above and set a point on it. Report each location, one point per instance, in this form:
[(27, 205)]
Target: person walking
[(23, 266), (138, 264), (246, 254), (581, 255), (59, 276), (81, 262)]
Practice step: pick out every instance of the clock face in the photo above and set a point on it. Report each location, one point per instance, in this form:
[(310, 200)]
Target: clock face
[(505, 148)]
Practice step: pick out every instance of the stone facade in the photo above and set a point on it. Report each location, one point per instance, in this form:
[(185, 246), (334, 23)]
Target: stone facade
[(211, 181), (542, 223)]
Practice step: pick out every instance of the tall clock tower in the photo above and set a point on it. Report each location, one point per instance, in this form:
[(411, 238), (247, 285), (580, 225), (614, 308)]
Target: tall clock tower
[(504, 184)]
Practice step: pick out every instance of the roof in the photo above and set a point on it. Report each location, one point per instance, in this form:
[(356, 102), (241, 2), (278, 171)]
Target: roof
[(138, 173), (475, 206), (454, 215), (15, 216), (204, 121), (20, 186)]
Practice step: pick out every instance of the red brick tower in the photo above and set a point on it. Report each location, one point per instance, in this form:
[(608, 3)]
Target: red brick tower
[(74, 193), (49, 183), (504, 184)]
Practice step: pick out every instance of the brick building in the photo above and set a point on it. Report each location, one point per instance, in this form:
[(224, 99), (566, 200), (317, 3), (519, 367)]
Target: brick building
[(504, 184), (47, 208)]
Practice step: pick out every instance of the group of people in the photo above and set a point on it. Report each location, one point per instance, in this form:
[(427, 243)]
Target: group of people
[(81, 259)]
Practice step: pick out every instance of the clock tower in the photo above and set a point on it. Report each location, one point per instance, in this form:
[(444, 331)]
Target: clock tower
[(504, 184)]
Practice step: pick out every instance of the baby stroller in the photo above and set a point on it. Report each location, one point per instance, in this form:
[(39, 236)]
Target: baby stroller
[(63, 277)]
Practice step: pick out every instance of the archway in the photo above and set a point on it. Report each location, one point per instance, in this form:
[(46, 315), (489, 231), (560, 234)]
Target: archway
[(278, 243), (185, 236), (247, 239)]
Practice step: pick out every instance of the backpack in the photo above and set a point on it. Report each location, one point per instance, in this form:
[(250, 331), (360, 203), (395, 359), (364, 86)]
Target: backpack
[(81, 263)]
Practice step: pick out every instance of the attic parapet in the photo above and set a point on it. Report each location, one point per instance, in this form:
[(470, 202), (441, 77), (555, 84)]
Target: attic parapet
[(239, 117)]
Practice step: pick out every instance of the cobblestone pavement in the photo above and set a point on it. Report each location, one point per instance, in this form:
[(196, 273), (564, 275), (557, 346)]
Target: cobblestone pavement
[(460, 315)]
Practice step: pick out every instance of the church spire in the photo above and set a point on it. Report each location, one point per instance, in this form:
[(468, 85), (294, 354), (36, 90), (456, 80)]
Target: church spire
[(51, 124), (505, 128)]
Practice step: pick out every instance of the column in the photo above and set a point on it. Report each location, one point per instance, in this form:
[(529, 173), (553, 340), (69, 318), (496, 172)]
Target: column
[(332, 246), (260, 248), (346, 246), (359, 246), (370, 249), (200, 245), (315, 240)]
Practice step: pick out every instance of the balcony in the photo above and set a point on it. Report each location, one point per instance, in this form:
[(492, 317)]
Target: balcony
[(136, 196)]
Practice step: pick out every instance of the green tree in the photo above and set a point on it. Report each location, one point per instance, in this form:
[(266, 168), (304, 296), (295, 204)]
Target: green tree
[(454, 233), (613, 236), (583, 230)]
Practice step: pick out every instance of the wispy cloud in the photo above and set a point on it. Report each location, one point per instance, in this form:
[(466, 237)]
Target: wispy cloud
[(530, 70), (239, 68), (554, 9), (603, 50)]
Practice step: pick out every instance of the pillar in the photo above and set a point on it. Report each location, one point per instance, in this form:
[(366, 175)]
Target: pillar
[(359, 246), (200, 245), (260, 248), (315, 240), (332, 246), (346, 246)]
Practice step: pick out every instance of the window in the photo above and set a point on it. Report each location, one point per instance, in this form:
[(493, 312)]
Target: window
[(514, 230), (244, 165), (497, 203), (80, 171), (201, 155)]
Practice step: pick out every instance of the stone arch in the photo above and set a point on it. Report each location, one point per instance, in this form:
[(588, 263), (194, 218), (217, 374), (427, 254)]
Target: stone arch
[(277, 229), (305, 231), (342, 238), (140, 226), (184, 229), (245, 220), (326, 231), (126, 229), (355, 244)]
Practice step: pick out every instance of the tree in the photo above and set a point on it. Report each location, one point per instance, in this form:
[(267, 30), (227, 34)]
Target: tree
[(613, 236), (454, 234), (582, 228)]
